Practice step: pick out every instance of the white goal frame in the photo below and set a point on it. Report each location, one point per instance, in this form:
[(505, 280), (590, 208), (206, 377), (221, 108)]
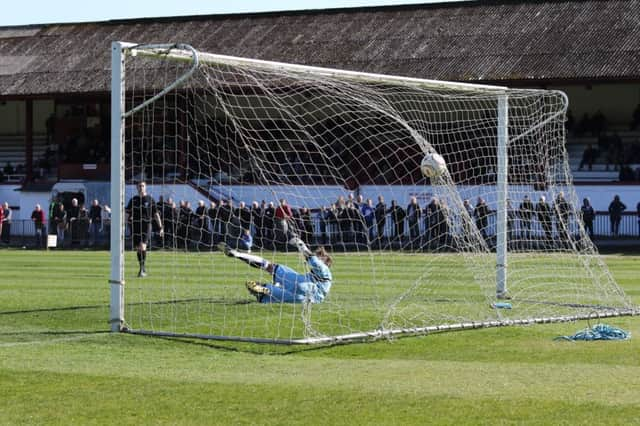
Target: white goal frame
[(182, 52)]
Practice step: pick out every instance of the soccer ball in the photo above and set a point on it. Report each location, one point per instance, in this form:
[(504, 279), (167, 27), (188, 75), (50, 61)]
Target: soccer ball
[(433, 165)]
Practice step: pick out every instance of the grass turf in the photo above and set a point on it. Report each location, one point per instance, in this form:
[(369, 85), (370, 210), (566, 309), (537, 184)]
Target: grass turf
[(59, 366)]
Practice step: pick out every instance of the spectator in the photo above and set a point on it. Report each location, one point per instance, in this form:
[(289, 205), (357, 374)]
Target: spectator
[(351, 222), (214, 223), (342, 218), (244, 214), (381, 217), (234, 226), (306, 230), (1, 218), (201, 220), (95, 222), (358, 224), (74, 210), (562, 211), (431, 219), (6, 223), (436, 216), (225, 211), (82, 226), (282, 218), (53, 207), (60, 219), (414, 214), (351, 199), (246, 240), (268, 218), (615, 214), (332, 222), (185, 220), (481, 213), (544, 217), (359, 201), (322, 222), (106, 220), (358, 220), (525, 212), (397, 217), (588, 157), (256, 219), (588, 216), (167, 211), (72, 217), (369, 214), (442, 219), (38, 219)]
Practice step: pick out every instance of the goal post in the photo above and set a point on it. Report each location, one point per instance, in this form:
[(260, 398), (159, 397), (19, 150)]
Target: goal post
[(116, 282), (224, 143), (502, 188)]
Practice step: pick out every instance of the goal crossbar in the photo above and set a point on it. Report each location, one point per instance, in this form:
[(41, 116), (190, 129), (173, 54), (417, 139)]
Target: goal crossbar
[(184, 52)]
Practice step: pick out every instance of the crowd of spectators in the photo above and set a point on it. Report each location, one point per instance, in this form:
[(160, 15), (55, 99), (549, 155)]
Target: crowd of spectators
[(73, 225), (349, 221), (356, 220)]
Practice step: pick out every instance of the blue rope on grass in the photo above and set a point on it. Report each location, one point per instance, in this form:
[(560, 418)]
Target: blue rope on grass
[(598, 332)]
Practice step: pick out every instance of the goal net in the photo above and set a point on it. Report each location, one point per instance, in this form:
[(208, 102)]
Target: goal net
[(223, 143)]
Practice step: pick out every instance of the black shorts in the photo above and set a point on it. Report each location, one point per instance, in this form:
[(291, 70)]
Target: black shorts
[(141, 233)]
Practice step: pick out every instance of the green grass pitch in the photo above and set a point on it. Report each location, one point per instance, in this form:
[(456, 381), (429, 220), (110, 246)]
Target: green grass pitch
[(60, 365)]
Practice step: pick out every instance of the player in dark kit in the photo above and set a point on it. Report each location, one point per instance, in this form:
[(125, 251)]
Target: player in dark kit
[(141, 211)]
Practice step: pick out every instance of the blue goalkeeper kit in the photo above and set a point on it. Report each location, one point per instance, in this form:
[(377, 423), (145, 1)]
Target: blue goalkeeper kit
[(290, 286)]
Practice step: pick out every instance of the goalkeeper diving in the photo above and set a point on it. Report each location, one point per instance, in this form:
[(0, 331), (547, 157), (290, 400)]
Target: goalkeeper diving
[(289, 286)]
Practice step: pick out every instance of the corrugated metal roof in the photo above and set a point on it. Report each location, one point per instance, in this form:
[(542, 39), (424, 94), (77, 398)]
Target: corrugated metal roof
[(497, 41)]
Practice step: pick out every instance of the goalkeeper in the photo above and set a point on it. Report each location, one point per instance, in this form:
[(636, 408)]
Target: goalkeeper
[(288, 285)]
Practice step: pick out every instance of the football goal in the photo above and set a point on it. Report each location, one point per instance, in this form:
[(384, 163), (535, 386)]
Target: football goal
[(438, 205)]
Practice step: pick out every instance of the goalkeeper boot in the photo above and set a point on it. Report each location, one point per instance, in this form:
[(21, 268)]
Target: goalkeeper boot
[(301, 246), (258, 290), (142, 273)]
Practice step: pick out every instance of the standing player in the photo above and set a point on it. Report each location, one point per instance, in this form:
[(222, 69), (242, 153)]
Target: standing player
[(288, 285), (141, 211)]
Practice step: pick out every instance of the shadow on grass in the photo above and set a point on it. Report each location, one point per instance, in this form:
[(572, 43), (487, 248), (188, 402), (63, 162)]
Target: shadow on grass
[(59, 309), (160, 302), (56, 333)]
